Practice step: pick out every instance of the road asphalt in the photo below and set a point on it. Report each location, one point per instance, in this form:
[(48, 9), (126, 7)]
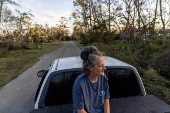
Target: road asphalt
[(18, 95)]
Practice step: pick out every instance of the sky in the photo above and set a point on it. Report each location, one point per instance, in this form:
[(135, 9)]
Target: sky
[(46, 11)]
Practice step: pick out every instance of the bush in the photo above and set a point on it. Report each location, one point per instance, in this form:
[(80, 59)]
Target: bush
[(6, 44), (160, 42), (151, 74), (67, 38), (3, 52), (24, 46), (50, 38), (146, 50), (18, 46)]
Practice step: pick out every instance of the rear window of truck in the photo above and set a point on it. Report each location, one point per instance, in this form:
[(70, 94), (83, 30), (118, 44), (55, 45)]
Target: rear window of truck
[(122, 83)]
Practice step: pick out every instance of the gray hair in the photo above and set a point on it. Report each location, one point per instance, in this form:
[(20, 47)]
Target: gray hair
[(89, 56)]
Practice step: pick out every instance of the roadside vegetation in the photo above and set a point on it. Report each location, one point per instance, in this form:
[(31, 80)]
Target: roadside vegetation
[(81, 46), (144, 57), (16, 58)]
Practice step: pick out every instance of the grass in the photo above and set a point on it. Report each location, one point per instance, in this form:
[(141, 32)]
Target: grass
[(156, 85), (159, 88), (139, 55), (81, 46), (13, 63)]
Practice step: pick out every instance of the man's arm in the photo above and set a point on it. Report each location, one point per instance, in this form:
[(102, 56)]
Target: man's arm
[(106, 106), (81, 111)]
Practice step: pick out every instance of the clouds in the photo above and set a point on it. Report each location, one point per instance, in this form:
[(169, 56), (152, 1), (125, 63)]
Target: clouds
[(49, 11), (66, 3), (29, 7), (40, 5), (49, 14), (40, 11)]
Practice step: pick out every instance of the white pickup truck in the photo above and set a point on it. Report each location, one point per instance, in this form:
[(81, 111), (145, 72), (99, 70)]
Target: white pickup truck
[(127, 93)]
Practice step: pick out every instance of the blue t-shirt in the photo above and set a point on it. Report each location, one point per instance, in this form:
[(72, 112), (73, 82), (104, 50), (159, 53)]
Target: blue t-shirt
[(88, 96)]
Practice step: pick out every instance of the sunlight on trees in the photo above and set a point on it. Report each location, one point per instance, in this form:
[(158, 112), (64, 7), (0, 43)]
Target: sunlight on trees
[(131, 20)]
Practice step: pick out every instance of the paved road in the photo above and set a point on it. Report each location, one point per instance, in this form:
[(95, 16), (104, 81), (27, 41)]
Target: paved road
[(18, 95)]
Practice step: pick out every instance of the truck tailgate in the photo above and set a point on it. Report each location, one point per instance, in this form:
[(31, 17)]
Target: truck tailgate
[(140, 104)]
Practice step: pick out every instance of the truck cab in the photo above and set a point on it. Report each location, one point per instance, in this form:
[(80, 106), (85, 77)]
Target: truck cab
[(127, 93)]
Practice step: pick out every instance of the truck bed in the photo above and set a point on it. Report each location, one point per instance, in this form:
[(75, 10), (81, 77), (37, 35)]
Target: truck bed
[(138, 104)]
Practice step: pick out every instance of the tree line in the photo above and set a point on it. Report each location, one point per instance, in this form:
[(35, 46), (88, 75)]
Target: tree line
[(102, 20), (17, 26)]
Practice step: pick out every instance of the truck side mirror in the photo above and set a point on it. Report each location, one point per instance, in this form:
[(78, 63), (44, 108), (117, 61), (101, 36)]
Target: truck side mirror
[(41, 73)]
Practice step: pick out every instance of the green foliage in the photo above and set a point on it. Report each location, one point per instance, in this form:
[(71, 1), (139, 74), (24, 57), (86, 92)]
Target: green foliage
[(146, 50), (84, 38), (41, 39), (122, 46), (36, 38), (67, 38), (138, 54), (160, 42), (16, 33), (81, 46), (151, 74), (3, 52), (27, 34), (18, 46), (6, 44), (159, 88), (50, 38)]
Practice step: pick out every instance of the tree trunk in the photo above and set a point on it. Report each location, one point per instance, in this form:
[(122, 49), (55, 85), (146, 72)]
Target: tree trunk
[(134, 25), (155, 19), (144, 26), (90, 8), (162, 18), (90, 3), (109, 19), (100, 8), (138, 18), (1, 10), (20, 25), (149, 24), (63, 34)]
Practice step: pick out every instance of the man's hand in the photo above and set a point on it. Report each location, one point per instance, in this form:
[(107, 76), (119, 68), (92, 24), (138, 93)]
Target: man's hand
[(81, 111), (106, 106)]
